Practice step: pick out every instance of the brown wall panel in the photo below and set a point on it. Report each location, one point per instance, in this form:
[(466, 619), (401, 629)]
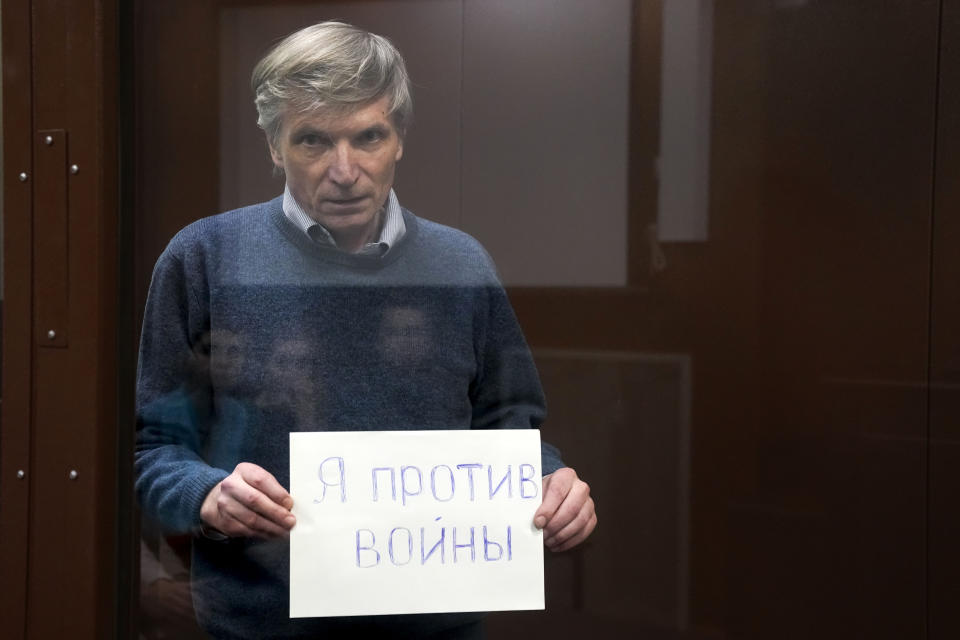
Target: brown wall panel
[(17, 325), (837, 511)]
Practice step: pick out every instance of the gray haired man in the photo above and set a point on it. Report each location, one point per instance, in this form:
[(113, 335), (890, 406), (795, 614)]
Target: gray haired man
[(328, 266)]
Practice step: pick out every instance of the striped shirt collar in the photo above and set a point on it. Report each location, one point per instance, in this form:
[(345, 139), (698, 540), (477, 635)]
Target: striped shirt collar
[(392, 230)]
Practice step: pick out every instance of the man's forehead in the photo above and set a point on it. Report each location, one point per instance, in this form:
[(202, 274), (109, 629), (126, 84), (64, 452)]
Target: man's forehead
[(332, 118)]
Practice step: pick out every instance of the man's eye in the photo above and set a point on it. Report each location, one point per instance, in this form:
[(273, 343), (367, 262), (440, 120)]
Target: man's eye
[(311, 140), (369, 137)]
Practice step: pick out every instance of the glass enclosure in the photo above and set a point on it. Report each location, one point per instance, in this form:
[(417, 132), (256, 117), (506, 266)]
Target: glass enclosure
[(713, 223)]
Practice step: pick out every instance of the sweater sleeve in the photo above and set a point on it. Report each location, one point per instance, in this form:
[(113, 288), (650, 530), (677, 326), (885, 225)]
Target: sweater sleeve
[(506, 393), (172, 479)]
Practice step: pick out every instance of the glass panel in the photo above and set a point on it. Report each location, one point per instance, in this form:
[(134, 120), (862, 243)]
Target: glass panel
[(714, 222)]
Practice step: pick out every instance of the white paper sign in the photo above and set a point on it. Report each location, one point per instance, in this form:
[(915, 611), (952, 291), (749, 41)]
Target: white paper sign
[(415, 522)]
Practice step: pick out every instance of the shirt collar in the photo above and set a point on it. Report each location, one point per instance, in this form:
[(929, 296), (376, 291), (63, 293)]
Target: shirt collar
[(391, 231)]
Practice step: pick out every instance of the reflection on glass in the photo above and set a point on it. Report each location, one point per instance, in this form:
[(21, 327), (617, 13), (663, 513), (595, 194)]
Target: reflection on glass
[(289, 383), (405, 336), (166, 604)]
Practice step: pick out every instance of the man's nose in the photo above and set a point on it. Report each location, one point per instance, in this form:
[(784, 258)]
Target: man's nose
[(344, 170)]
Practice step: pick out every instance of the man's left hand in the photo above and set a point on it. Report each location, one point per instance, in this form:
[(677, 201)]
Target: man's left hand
[(567, 515)]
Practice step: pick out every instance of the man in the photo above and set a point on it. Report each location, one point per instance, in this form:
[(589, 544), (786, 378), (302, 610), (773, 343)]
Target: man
[(384, 321)]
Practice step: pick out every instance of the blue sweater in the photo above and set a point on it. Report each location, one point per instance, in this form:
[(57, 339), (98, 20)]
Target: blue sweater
[(252, 331)]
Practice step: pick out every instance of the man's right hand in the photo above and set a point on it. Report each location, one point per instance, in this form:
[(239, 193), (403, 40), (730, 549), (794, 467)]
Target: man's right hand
[(249, 503)]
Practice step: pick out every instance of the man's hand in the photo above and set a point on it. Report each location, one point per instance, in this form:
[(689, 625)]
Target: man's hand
[(249, 503), (567, 515)]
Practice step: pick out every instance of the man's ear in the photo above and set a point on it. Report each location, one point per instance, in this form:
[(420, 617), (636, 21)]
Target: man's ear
[(399, 153), (275, 155)]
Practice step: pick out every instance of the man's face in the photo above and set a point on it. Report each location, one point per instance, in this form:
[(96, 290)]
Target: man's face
[(339, 166)]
